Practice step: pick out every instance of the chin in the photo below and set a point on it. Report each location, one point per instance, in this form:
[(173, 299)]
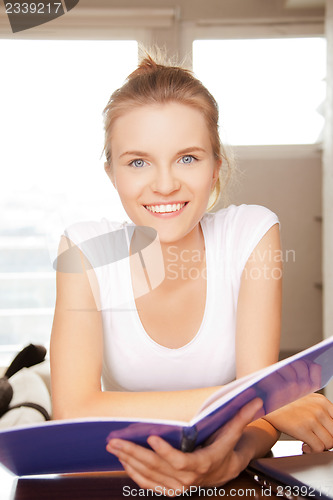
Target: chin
[(167, 237)]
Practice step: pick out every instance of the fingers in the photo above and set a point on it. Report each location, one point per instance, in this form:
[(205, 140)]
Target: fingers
[(324, 440), (318, 442), (231, 432), (164, 466), (321, 422), (151, 480), (290, 372), (147, 482), (325, 431), (315, 374), (297, 380), (290, 383), (329, 406), (313, 444), (227, 439), (306, 448), (150, 470), (316, 425), (188, 467), (165, 451), (302, 370), (133, 454), (143, 465)]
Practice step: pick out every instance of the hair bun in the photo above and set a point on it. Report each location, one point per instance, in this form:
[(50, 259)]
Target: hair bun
[(151, 60), (146, 65)]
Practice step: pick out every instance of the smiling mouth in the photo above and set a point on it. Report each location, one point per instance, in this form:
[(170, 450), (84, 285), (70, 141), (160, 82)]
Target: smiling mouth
[(165, 209)]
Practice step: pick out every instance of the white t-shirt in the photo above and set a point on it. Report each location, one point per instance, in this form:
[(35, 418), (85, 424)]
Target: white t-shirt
[(133, 361)]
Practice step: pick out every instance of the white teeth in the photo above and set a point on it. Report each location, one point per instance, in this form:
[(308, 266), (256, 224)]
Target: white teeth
[(165, 208)]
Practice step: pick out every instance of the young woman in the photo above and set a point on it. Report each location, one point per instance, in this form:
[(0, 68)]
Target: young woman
[(183, 313)]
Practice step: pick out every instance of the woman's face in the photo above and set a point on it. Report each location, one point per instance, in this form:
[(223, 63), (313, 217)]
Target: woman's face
[(163, 167)]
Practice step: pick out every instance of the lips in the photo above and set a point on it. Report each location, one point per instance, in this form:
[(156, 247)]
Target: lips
[(166, 208)]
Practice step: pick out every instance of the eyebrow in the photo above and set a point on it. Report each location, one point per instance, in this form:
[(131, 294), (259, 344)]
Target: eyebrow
[(191, 149)]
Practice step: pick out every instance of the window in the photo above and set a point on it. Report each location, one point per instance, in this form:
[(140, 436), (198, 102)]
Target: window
[(269, 90), (52, 97)]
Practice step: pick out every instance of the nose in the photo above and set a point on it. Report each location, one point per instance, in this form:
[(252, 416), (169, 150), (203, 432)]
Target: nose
[(165, 181)]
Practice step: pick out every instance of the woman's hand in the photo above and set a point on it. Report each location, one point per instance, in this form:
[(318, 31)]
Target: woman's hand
[(309, 419), (166, 467)]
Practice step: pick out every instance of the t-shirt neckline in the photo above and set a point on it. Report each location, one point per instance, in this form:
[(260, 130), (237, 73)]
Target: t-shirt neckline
[(136, 318)]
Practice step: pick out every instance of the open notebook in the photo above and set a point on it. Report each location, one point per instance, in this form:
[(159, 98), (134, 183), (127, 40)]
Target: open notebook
[(79, 445)]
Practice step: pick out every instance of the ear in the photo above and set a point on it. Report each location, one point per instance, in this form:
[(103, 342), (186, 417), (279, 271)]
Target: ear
[(109, 173), (216, 172)]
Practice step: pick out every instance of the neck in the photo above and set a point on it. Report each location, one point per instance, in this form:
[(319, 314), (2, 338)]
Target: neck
[(183, 260), (180, 257)]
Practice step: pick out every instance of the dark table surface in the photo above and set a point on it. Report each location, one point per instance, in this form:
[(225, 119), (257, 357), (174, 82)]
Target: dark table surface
[(96, 486)]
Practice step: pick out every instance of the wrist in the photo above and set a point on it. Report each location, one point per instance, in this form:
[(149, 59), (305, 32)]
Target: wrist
[(268, 421), (260, 436)]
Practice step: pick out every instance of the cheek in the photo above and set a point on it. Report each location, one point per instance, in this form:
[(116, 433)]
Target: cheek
[(126, 187), (202, 183)]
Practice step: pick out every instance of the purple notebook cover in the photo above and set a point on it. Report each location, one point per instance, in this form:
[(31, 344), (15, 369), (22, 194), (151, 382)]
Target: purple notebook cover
[(70, 446)]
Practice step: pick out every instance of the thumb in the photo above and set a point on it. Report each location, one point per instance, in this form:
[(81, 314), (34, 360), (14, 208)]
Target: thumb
[(231, 432)]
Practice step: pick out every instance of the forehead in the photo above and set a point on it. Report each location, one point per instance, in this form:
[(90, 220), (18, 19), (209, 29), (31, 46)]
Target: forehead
[(172, 125)]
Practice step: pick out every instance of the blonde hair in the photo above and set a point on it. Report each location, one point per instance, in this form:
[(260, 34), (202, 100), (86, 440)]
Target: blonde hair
[(157, 82)]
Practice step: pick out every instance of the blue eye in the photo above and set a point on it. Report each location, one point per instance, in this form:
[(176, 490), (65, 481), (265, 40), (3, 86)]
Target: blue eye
[(187, 159), (137, 163)]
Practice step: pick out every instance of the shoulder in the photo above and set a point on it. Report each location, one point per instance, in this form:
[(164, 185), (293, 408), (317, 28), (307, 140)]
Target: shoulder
[(101, 242), (240, 218), (236, 230), (81, 231)]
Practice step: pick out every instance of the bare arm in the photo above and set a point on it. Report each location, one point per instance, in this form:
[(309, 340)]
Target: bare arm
[(310, 418), (76, 361), (259, 307), (259, 326)]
